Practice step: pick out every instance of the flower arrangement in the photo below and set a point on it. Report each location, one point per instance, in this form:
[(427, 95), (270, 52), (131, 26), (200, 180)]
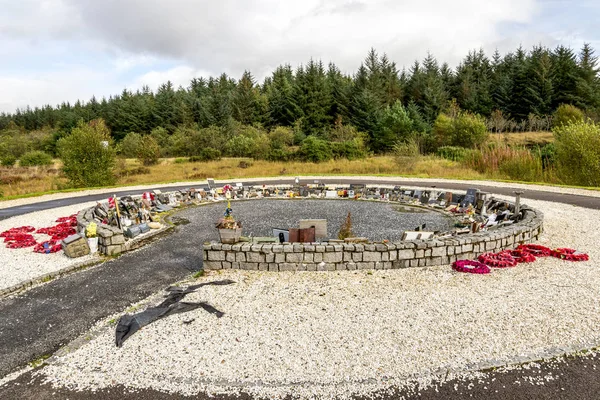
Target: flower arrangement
[(228, 221), (91, 229), (471, 267)]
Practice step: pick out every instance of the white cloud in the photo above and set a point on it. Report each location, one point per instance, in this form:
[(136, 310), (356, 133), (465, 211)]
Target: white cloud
[(202, 37)]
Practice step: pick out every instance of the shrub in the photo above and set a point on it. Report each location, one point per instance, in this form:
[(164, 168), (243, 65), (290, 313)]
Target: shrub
[(465, 130), (516, 163), (206, 154), (130, 145), (566, 114), (148, 151), (281, 137), (87, 154), (315, 150), (35, 158), (578, 153), (8, 160), (548, 155), (407, 153), (279, 155), (181, 160), (452, 153), (350, 149)]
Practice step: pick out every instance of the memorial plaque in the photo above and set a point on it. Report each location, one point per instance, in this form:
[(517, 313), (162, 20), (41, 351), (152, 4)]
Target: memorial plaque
[(469, 198)]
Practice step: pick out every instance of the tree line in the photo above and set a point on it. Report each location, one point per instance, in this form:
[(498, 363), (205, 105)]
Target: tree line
[(519, 89)]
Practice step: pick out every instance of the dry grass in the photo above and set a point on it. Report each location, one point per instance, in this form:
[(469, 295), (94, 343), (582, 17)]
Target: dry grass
[(23, 181), (528, 139)]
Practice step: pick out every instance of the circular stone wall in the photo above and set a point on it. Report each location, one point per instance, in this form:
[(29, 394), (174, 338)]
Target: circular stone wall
[(345, 256)]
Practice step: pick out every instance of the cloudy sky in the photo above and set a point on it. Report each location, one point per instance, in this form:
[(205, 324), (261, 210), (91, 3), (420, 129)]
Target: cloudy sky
[(55, 50)]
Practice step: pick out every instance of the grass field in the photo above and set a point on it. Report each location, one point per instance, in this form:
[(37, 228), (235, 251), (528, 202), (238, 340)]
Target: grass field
[(19, 181)]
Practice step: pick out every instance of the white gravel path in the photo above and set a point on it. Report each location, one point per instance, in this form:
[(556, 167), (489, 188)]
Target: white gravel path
[(333, 334), (141, 188), (20, 265)]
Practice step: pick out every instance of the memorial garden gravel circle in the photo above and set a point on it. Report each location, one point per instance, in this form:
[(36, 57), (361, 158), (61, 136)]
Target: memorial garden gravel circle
[(372, 219)]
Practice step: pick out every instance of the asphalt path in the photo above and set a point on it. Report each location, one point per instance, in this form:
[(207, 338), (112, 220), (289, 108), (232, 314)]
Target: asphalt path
[(38, 322), (577, 200)]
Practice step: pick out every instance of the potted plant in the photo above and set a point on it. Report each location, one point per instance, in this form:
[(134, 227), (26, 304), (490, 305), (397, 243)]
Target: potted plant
[(230, 230), (92, 239)]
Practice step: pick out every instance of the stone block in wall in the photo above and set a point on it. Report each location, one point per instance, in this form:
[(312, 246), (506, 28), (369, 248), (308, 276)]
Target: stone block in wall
[(294, 257), (320, 248), (230, 256), (255, 257), (365, 265), (216, 255), (357, 257), (226, 264), (359, 247), (256, 248), (371, 256), (117, 239), (393, 255), (113, 250), (335, 257), (211, 264), (351, 266), (438, 251), (309, 257), (288, 248), (279, 257), (406, 254), (270, 257), (273, 267), (240, 257), (246, 248)]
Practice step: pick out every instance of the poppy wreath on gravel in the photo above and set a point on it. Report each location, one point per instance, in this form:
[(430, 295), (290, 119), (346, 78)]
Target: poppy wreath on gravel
[(521, 256), (536, 249), (21, 229), (498, 260), (569, 254), (471, 267), (47, 247)]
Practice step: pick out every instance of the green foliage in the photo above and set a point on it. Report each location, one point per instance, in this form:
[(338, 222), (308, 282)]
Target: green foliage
[(88, 156), (130, 145), (452, 153), (35, 158), (248, 141), (148, 151), (407, 153), (349, 149), (548, 155), (465, 130), (578, 153), (314, 149), (281, 137), (395, 125), (566, 114), (8, 160), (206, 154), (516, 163)]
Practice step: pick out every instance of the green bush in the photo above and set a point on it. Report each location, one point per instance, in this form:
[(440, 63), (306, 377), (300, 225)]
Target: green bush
[(35, 158), (315, 150), (130, 145), (548, 155), (407, 153), (206, 154), (148, 151), (452, 153), (279, 155), (88, 155), (281, 137), (566, 114), (8, 160), (350, 149), (465, 130), (181, 160), (578, 153)]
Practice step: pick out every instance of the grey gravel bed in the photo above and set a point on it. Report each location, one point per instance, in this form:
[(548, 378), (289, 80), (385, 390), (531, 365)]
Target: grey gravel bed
[(372, 219)]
